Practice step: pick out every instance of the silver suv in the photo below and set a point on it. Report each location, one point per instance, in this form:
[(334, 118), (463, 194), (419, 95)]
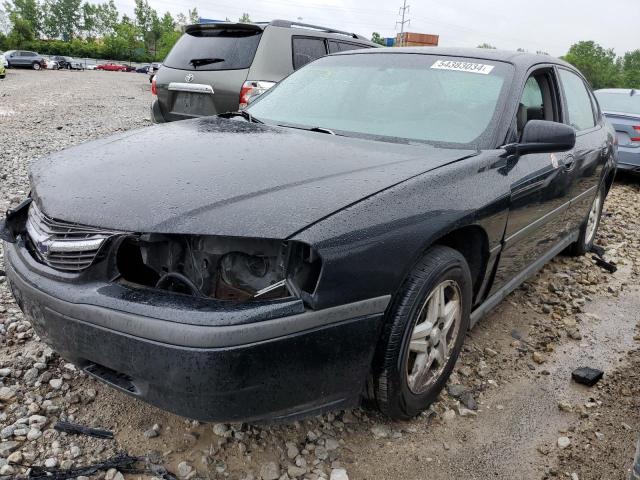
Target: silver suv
[(220, 67), (26, 59)]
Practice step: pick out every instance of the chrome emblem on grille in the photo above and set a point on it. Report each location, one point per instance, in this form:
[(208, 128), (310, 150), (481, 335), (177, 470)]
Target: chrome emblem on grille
[(188, 77)]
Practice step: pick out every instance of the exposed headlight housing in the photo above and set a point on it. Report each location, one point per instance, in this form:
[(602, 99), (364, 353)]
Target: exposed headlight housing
[(234, 269)]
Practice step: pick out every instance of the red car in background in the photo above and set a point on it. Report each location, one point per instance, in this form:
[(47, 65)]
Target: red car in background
[(113, 67)]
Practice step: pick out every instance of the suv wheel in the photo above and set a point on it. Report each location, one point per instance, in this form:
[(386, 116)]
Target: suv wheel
[(36, 66), (589, 227), (423, 334)]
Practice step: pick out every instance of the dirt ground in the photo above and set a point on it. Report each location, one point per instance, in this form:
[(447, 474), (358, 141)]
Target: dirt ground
[(511, 409)]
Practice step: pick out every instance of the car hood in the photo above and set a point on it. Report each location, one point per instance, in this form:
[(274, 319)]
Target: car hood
[(213, 176)]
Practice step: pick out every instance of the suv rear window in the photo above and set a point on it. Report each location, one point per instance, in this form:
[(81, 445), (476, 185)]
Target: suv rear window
[(214, 49)]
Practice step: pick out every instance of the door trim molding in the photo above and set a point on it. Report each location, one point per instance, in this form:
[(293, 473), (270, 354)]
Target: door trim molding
[(491, 302), (517, 236)]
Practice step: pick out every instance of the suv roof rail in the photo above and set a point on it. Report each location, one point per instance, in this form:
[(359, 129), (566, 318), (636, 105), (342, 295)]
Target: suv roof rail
[(290, 24)]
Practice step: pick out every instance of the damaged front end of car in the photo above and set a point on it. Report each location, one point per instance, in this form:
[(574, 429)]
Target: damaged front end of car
[(230, 269)]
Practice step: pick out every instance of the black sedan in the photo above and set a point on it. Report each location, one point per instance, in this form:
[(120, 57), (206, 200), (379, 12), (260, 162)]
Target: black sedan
[(333, 241)]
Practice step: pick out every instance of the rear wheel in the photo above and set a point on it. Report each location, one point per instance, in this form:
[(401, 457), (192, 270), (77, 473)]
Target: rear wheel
[(36, 66), (423, 335), (589, 228)]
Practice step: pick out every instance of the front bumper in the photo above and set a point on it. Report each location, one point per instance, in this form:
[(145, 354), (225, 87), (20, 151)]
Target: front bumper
[(275, 369)]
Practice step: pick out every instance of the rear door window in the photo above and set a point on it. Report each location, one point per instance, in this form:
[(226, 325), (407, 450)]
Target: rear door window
[(306, 49), (214, 49), (579, 106)]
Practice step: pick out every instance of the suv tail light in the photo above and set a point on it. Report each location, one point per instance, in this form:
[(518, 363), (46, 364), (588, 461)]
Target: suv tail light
[(636, 138), (154, 87), (252, 89)]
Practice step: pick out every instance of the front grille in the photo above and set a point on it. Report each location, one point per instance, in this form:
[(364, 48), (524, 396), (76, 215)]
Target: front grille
[(64, 245)]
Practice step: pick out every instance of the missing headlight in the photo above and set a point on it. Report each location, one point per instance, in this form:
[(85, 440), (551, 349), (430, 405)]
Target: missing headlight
[(213, 267)]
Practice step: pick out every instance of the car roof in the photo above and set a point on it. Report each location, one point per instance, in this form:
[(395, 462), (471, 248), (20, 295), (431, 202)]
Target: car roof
[(519, 59)]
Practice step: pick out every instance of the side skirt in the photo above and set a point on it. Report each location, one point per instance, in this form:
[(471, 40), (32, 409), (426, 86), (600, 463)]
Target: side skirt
[(491, 302)]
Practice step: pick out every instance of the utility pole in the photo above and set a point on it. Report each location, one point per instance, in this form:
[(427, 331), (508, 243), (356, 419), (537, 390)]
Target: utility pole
[(405, 21)]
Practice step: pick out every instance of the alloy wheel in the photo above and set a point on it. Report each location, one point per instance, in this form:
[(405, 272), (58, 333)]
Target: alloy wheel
[(433, 336), (592, 220)]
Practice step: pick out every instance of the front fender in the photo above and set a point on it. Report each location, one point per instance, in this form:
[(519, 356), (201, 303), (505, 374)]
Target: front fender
[(368, 248)]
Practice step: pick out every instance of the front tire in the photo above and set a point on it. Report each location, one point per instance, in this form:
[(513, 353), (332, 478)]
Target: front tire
[(423, 334), (589, 227), (35, 66)]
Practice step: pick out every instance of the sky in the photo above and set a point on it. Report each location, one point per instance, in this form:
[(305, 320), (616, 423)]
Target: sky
[(547, 25)]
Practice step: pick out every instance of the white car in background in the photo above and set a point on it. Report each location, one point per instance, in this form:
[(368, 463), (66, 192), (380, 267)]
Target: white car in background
[(3, 60), (52, 65)]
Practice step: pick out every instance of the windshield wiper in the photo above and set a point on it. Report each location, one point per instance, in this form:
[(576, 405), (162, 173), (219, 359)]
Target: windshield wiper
[(310, 129), (241, 113), (322, 130), (199, 62)]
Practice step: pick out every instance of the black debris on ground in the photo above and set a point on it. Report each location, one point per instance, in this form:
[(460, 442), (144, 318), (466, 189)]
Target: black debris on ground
[(123, 463), (587, 376), (598, 250), (76, 429), (609, 267)]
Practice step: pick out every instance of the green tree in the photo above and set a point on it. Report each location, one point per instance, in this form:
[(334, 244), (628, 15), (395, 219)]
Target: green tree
[(166, 43), (167, 23), (377, 38), (62, 18), (193, 16), (106, 18), (89, 19), (28, 11), (4, 22), (486, 45), (21, 33), (631, 69), (245, 18), (596, 63)]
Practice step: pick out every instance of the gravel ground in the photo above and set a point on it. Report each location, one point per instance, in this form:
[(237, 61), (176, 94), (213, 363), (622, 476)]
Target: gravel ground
[(511, 410)]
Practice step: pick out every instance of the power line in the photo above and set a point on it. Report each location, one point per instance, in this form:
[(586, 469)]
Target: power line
[(403, 11)]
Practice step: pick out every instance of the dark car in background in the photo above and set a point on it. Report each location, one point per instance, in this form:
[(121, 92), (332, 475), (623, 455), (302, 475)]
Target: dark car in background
[(25, 59), (63, 62), (334, 240), (217, 68), (621, 106), (67, 63)]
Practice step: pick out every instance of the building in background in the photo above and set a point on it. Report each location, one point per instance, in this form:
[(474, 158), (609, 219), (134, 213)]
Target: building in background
[(411, 39)]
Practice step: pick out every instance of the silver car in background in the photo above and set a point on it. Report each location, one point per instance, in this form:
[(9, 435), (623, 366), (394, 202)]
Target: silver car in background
[(621, 106), (220, 67)]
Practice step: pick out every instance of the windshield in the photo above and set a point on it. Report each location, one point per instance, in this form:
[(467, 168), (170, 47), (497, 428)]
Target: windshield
[(619, 102), (411, 96), (214, 49)]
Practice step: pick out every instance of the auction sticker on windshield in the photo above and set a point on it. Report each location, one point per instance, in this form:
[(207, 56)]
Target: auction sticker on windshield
[(463, 66)]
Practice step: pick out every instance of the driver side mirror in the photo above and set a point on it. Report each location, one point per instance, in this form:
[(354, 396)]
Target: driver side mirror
[(543, 136)]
